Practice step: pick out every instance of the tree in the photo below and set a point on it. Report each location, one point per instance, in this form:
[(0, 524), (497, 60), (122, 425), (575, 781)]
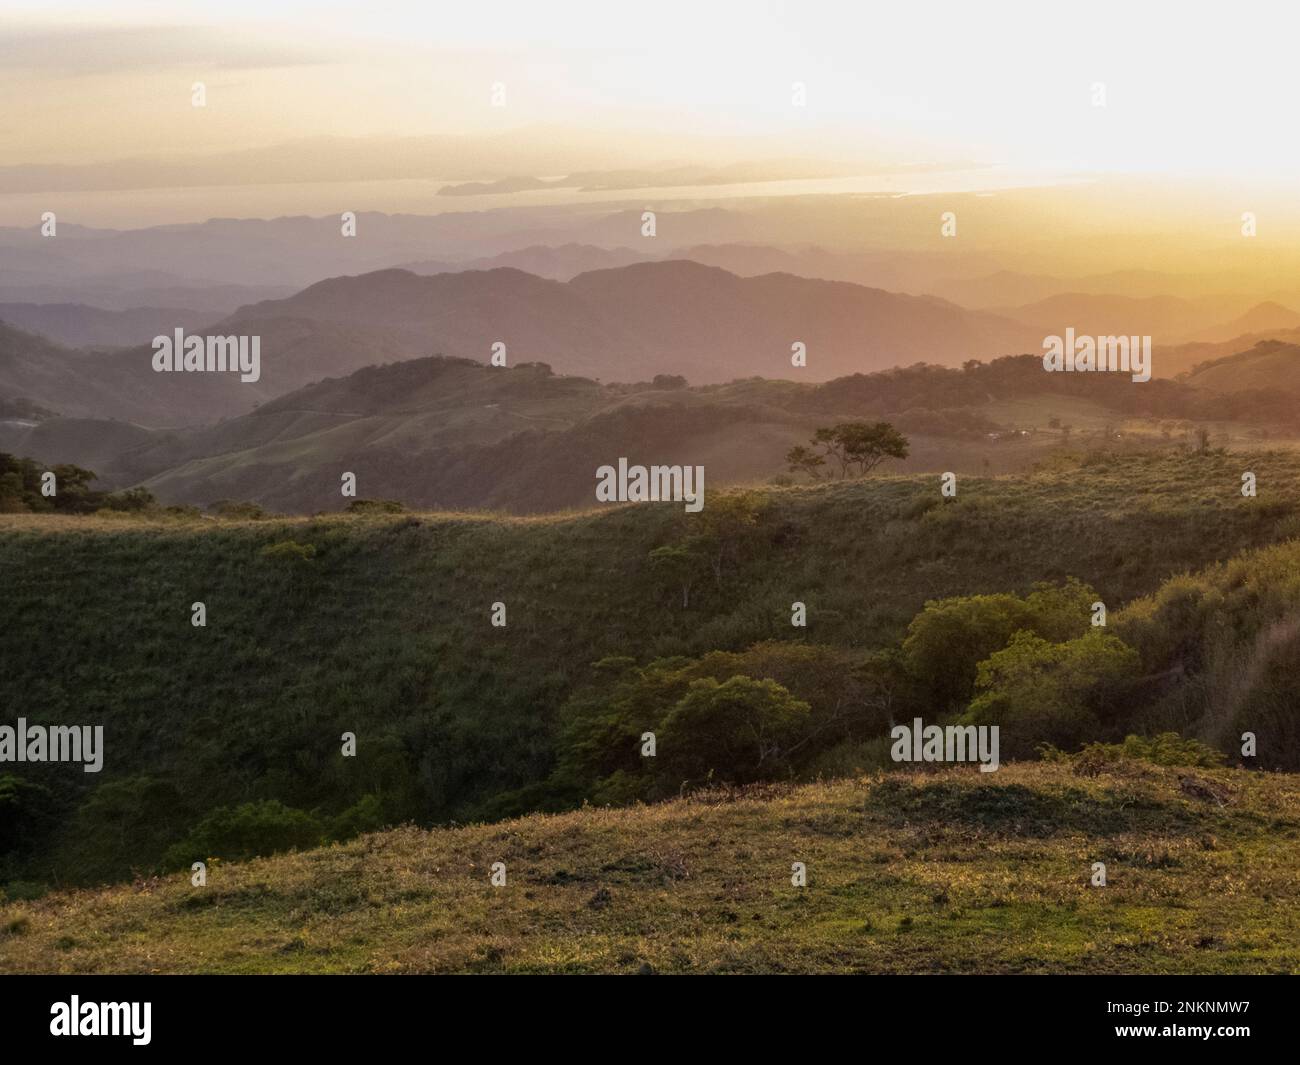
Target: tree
[(668, 382), (717, 538), (803, 459), (1041, 692), (847, 700), (132, 499), (1060, 612), (736, 731), (677, 565), (601, 727), (854, 446), (726, 529), (74, 492), (21, 481), (949, 639), (135, 816), (868, 445)]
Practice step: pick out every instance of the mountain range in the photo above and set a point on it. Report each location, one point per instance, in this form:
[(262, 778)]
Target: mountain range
[(348, 383), (670, 317)]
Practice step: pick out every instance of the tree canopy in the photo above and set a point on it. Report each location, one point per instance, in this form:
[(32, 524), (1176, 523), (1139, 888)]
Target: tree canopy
[(851, 447)]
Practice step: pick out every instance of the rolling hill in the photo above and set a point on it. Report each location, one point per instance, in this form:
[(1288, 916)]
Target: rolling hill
[(530, 450), (948, 872), (380, 625), (1167, 319), (77, 325), (1177, 360), (122, 385), (1266, 317), (1271, 365), (442, 432), (117, 384), (91, 443), (629, 323)]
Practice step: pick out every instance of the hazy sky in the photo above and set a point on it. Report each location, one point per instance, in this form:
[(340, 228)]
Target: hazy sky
[(1189, 88)]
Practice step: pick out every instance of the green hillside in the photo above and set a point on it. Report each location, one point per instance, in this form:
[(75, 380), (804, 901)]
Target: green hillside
[(952, 871), (381, 626)]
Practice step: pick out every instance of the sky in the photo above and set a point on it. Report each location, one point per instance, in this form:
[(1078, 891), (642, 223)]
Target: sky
[(1187, 89)]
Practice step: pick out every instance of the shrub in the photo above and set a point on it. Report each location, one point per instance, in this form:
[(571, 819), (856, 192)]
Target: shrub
[(136, 814), (1168, 748), (240, 511), (375, 506), (853, 758), (364, 815), (289, 552), (247, 831), (27, 811), (133, 499)]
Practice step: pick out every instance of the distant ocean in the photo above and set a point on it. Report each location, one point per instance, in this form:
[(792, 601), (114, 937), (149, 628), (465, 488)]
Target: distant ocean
[(134, 208)]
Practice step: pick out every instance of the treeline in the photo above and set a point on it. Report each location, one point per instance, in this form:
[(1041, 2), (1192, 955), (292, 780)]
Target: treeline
[(1203, 657), (28, 487)]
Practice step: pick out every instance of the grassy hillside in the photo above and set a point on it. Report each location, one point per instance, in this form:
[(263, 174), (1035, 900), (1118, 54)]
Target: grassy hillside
[(1269, 365), (1181, 359), (91, 443), (381, 626), (117, 384), (952, 871)]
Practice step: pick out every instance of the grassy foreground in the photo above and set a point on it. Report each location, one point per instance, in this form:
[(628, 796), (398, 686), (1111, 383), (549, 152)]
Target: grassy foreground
[(947, 871)]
